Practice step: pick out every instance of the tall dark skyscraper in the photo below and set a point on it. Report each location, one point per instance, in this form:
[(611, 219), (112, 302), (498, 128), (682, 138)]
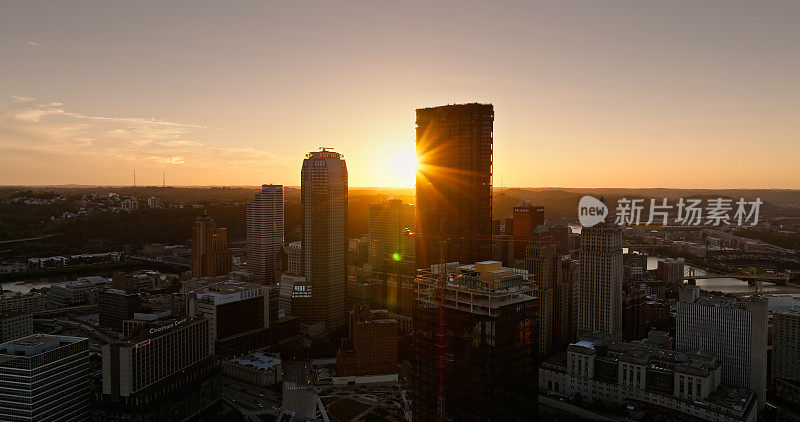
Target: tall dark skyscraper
[(323, 197), (454, 181)]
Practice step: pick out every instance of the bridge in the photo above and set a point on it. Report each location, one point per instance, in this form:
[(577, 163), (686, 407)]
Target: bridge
[(751, 275)]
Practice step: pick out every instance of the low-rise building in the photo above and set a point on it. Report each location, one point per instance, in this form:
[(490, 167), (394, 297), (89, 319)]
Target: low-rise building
[(15, 325), (597, 370), (256, 369), (16, 302), (84, 290)]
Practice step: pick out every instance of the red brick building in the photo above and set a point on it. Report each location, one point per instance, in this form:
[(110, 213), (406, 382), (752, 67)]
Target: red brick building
[(371, 348)]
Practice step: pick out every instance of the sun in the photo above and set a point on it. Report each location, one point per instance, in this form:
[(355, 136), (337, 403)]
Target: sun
[(401, 166)]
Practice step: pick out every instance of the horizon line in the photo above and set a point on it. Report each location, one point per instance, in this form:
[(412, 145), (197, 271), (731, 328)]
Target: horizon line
[(72, 185)]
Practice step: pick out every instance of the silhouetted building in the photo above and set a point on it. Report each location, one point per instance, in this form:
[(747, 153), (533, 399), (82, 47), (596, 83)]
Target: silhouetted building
[(238, 316), (635, 318), (564, 302), (210, 254), (265, 234), (115, 306), (391, 248), (670, 271), (45, 377), (371, 347), (454, 182), (323, 198), (491, 345), (542, 264), (526, 219)]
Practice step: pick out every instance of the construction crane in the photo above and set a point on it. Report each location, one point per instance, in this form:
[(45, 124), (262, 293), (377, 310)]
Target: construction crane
[(441, 326)]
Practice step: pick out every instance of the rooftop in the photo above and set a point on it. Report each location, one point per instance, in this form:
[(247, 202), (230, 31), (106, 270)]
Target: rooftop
[(257, 360), (36, 344)]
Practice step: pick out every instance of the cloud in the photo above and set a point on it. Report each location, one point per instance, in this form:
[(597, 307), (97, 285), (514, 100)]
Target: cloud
[(21, 99), (172, 160), (34, 44), (52, 130)]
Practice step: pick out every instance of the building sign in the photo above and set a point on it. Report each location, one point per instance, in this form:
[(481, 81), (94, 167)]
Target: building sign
[(167, 327), (142, 343)]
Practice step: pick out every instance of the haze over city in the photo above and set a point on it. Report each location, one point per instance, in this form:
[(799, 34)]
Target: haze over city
[(586, 94)]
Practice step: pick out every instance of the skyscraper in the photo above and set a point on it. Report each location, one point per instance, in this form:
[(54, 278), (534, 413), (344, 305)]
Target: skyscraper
[(491, 334), (210, 254), (265, 234), (323, 198), (454, 181), (391, 247), (736, 330), (526, 219), (599, 292), (543, 265)]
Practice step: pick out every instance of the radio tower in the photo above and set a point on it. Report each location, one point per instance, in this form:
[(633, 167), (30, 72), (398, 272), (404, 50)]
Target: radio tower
[(134, 178), (163, 179)]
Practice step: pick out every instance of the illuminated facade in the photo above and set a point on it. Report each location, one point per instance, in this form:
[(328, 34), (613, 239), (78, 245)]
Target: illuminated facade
[(210, 254), (454, 182)]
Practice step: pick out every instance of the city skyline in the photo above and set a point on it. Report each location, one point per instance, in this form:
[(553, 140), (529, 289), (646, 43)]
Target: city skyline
[(590, 96)]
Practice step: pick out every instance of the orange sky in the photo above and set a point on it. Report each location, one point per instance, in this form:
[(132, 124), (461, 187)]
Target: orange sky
[(586, 94)]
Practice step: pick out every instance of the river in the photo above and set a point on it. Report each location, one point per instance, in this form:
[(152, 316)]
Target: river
[(723, 284)]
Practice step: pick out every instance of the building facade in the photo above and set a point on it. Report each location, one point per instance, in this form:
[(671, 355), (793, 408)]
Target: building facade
[(165, 369), (265, 228), (630, 374), (454, 182), (15, 325), (490, 346), (526, 219), (323, 203), (735, 330), (371, 347), (115, 306), (786, 345), (210, 254), (238, 315), (45, 377), (391, 247), (599, 288)]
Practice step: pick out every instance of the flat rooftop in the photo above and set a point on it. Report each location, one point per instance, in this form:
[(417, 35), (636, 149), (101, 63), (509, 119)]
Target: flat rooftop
[(36, 344), (256, 360)]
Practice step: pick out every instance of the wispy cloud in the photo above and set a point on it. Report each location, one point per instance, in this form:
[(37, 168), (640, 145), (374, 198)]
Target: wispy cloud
[(33, 44), (51, 129), (21, 99)]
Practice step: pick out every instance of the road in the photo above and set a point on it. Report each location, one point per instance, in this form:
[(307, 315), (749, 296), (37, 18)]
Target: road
[(575, 410)]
